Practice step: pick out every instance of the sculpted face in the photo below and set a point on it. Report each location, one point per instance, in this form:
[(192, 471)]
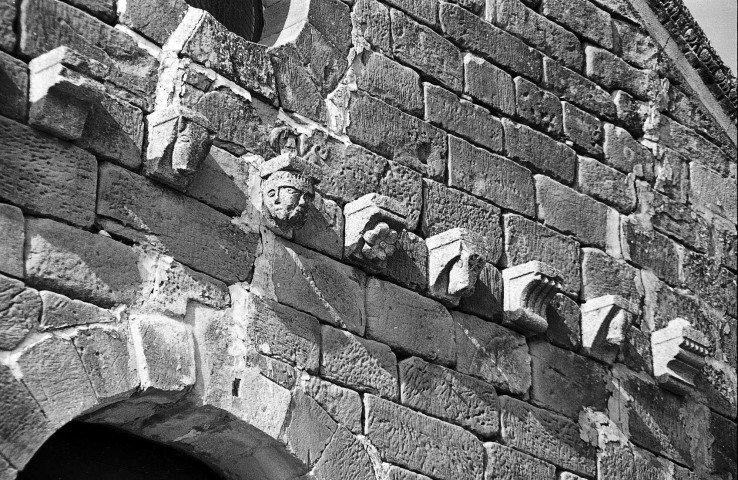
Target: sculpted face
[(287, 197)]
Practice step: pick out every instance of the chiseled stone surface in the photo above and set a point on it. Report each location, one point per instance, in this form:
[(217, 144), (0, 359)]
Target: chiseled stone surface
[(607, 184), (107, 355), (572, 87), (582, 17), (604, 275), (13, 78), (342, 404), (447, 451), (488, 84), (391, 82), (12, 237), (20, 311), (61, 312), (504, 463), (344, 457), (538, 107)]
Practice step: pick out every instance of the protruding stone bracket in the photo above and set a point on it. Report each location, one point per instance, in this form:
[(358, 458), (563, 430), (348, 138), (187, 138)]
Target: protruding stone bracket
[(679, 352), (605, 324), (64, 86), (372, 227), (529, 288), (287, 191), (455, 258), (179, 140)]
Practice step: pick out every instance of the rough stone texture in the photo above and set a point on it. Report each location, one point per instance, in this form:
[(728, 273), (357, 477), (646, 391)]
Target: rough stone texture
[(12, 236), (426, 11), (472, 33), (46, 176), (308, 430), (631, 112), (476, 124), (61, 312), (493, 353), (607, 184), (715, 285), (547, 436), (450, 396), (391, 82), (371, 24), (408, 266), (672, 175), (312, 283), (397, 473), (13, 81), (342, 404), (422, 48), (545, 35), (361, 364), (448, 450), (538, 107), (564, 322), (222, 181), (539, 151), (79, 264), (636, 46), (723, 451), (625, 154), (486, 301), (614, 73), (572, 87), (713, 192), (156, 20), (526, 240), (583, 129), (489, 84), (8, 12), (651, 250), (323, 230), (20, 309), (604, 275), (344, 457), (107, 356), (409, 323), (210, 242), (582, 17), (566, 382), (490, 176), (504, 463)]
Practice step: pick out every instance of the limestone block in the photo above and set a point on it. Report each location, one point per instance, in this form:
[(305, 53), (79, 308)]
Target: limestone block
[(308, 429), (583, 129), (564, 322), (342, 404), (155, 20), (447, 450), (607, 184), (315, 284), (636, 352), (625, 154), (363, 365), (224, 182), (622, 460), (107, 355), (6, 471), (391, 82), (488, 84), (23, 425), (344, 457), (565, 382), (179, 140), (529, 289), (408, 265), (462, 118), (281, 373), (651, 250), (723, 453), (455, 259), (165, 352), (614, 73), (426, 11), (504, 463), (323, 229), (582, 17), (545, 435), (371, 24), (538, 107), (450, 396), (631, 112), (13, 81), (55, 376), (714, 284), (604, 275), (672, 174), (570, 86), (46, 176), (679, 352), (20, 309), (713, 192), (493, 353), (409, 323), (396, 473), (543, 153), (404, 185), (486, 301), (490, 176), (606, 322), (8, 13), (12, 237), (372, 229), (89, 267), (60, 311)]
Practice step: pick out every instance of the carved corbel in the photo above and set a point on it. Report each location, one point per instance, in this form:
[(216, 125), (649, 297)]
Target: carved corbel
[(455, 258), (179, 140), (529, 288), (605, 324), (372, 227), (679, 352), (64, 86)]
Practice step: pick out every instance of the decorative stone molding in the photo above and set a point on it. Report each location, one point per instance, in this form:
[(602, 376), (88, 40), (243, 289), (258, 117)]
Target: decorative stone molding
[(179, 140), (372, 228), (529, 288), (455, 258), (605, 324), (679, 352)]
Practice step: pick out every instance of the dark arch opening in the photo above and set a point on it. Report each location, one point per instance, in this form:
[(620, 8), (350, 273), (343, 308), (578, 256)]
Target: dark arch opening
[(84, 451), (242, 17)]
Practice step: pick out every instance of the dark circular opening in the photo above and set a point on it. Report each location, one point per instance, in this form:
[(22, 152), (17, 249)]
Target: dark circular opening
[(242, 17), (83, 451)]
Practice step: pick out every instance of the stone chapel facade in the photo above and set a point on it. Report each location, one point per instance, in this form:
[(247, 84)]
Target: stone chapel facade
[(371, 239)]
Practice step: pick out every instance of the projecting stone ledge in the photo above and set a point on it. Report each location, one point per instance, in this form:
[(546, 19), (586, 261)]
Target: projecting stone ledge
[(605, 324), (679, 352), (529, 288)]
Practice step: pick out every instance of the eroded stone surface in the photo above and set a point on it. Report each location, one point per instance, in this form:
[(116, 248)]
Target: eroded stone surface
[(504, 463), (60, 312), (20, 310)]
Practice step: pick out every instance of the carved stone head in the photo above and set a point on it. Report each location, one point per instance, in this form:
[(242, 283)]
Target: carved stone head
[(456, 257), (287, 197)]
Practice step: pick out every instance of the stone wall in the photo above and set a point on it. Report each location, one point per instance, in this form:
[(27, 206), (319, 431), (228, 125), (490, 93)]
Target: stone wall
[(394, 240)]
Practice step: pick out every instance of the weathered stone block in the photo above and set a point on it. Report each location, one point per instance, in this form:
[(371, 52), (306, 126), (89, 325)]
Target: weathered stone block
[(490, 176), (426, 11), (361, 364), (61, 312), (473, 33), (582, 17), (79, 264), (540, 151), (486, 301), (107, 355), (538, 107), (547, 436), (572, 87), (450, 396), (604, 275), (564, 322), (631, 112), (313, 283), (20, 309), (344, 457), (342, 404), (723, 453), (13, 79), (713, 192), (396, 473), (489, 85), (712, 283), (672, 174), (408, 322), (636, 46), (526, 240), (583, 129), (46, 176), (155, 20), (651, 250), (223, 182), (625, 154), (12, 237), (390, 82), (422, 48), (614, 73), (606, 324), (493, 353), (448, 450), (371, 25), (504, 463), (8, 13), (308, 429), (607, 184)]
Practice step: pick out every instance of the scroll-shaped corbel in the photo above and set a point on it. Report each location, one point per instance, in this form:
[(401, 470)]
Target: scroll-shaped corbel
[(372, 227), (455, 259), (179, 140), (679, 352), (529, 288), (605, 324)]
